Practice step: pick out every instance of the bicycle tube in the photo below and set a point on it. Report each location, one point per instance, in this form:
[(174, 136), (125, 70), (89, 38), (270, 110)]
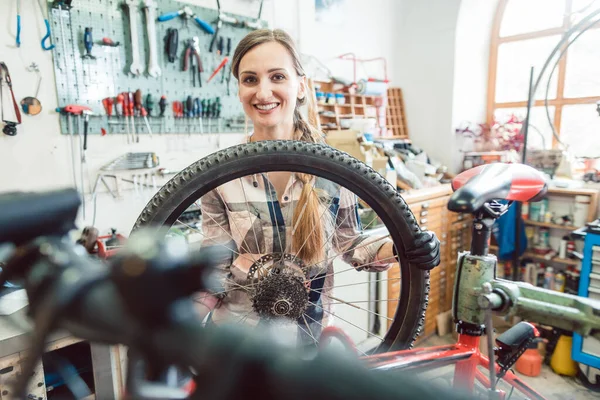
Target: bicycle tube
[(322, 161)]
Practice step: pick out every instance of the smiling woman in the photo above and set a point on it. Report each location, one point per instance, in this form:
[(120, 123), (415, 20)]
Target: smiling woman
[(285, 228)]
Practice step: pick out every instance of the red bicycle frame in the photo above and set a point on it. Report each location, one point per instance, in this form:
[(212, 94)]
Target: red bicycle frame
[(465, 354)]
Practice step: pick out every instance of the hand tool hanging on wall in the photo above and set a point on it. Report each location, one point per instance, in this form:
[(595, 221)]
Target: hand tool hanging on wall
[(134, 134), (187, 13), (73, 110), (31, 105), (18, 38), (216, 71), (149, 104), (229, 80), (11, 115), (171, 44), (150, 11), (136, 67), (108, 108), (257, 23), (192, 58), (222, 18), (162, 104), (48, 36), (142, 110), (123, 100), (88, 43)]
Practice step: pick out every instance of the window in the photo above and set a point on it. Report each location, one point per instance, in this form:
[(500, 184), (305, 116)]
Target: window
[(524, 34)]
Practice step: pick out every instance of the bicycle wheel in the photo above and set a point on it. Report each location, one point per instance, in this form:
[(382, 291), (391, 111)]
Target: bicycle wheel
[(392, 323)]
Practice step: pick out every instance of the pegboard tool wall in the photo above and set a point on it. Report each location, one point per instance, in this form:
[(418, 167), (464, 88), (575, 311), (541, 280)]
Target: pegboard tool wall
[(88, 81)]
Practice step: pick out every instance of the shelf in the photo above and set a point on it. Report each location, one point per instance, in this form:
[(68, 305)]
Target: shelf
[(540, 257), (566, 261), (550, 225)]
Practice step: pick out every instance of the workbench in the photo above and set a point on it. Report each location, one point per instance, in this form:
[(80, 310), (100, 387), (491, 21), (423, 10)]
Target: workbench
[(108, 362)]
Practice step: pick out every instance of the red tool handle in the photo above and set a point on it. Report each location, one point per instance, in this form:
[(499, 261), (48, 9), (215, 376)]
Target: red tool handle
[(131, 104), (75, 109), (125, 104), (108, 105), (120, 104), (218, 68)]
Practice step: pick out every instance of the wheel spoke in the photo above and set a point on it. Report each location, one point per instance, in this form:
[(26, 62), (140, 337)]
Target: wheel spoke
[(366, 282), (357, 349), (310, 332), (321, 218), (348, 322), (273, 208), (218, 244), (237, 228), (340, 301)]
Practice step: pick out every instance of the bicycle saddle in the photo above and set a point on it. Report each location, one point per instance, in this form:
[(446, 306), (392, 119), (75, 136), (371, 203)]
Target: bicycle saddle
[(25, 216), (499, 181)]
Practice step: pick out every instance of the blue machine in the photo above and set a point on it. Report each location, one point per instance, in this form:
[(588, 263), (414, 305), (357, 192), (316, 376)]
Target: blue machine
[(587, 350)]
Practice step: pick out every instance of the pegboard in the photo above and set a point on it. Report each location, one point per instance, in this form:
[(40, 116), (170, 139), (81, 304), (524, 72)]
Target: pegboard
[(87, 81)]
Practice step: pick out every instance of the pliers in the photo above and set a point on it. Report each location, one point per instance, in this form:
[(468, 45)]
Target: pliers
[(192, 52), (186, 12)]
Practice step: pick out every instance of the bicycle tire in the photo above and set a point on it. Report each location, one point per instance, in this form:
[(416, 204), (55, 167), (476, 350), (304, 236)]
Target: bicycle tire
[(319, 160)]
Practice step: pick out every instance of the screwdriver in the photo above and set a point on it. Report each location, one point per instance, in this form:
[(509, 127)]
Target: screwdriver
[(141, 109), (162, 103), (123, 99), (134, 133), (108, 108), (149, 104)]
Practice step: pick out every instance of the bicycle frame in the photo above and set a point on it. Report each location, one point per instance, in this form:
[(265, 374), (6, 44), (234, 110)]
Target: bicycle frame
[(469, 313), (465, 354)]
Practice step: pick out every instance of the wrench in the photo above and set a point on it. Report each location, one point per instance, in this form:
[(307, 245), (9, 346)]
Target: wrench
[(136, 66), (150, 10)]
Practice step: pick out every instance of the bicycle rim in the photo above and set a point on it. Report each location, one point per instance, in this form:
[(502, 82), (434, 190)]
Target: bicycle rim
[(235, 163)]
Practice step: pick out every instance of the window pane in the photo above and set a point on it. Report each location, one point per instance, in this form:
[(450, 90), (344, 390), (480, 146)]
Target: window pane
[(581, 8), (580, 129), (540, 133), (514, 62), (583, 58), (523, 16)]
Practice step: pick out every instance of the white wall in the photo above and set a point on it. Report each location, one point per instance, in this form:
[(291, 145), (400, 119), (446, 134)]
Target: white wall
[(473, 36), (38, 158), (424, 60)]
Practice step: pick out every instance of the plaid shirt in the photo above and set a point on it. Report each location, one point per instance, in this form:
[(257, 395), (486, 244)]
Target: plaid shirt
[(246, 216)]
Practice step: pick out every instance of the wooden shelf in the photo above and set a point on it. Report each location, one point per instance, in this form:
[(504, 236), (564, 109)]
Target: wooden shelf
[(355, 105), (565, 261), (550, 225), (530, 254)]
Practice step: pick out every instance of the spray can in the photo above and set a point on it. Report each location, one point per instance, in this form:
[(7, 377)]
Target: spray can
[(549, 278), (559, 282), (562, 249)]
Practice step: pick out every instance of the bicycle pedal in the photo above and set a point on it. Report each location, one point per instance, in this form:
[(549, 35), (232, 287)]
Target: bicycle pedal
[(512, 344)]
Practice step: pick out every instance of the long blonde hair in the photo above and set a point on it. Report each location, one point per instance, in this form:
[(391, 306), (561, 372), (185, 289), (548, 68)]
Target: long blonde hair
[(308, 239)]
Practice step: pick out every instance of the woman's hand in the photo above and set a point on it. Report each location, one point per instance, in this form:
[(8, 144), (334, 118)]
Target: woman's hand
[(424, 253)]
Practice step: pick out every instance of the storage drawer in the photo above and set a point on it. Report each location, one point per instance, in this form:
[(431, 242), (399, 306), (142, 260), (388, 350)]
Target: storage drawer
[(594, 293), (594, 281)]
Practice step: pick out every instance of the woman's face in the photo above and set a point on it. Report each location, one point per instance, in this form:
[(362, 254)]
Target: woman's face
[(269, 85)]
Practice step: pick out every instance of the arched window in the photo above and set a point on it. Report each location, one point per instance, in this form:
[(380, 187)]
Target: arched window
[(524, 35)]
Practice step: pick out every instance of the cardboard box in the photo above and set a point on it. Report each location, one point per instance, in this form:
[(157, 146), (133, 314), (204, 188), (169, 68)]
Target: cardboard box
[(346, 141)]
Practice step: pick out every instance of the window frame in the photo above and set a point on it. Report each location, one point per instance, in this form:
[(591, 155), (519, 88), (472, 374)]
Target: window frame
[(557, 102)]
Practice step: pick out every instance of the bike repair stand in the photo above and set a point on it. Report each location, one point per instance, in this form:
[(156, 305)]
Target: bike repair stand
[(473, 305)]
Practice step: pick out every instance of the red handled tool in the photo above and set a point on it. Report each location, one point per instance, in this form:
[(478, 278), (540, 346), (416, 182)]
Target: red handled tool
[(216, 71)]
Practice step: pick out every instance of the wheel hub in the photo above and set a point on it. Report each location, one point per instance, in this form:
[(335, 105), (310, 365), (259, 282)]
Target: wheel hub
[(281, 290)]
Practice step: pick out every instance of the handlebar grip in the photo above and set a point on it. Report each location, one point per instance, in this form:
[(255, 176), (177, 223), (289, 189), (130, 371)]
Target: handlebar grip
[(168, 16), (205, 26)]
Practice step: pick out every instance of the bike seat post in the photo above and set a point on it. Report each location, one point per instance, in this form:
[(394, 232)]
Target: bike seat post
[(482, 232)]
